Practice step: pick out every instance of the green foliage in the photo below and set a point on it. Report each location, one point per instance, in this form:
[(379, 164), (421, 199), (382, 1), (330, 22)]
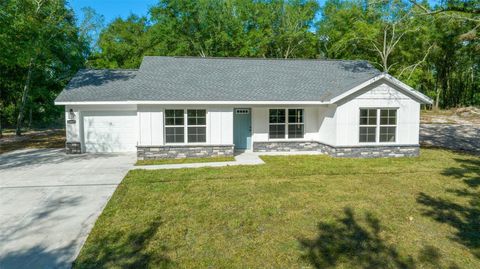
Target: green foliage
[(122, 44), (244, 28), (41, 38), (435, 50), (436, 54)]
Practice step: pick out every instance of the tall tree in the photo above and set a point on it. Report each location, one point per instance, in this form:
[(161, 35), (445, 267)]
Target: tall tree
[(91, 26), (224, 28), (43, 48), (122, 44)]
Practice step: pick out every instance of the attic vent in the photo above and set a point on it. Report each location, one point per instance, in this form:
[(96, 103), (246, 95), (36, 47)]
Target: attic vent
[(242, 111)]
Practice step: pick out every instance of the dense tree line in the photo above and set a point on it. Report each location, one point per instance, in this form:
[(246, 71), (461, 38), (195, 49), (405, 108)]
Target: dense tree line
[(434, 49), (40, 50)]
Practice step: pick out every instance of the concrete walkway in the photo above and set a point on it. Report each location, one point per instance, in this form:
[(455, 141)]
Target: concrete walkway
[(241, 158)]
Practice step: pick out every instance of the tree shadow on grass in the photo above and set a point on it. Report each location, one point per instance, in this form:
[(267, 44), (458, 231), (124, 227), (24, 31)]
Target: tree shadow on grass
[(347, 243), (464, 217), (124, 250)]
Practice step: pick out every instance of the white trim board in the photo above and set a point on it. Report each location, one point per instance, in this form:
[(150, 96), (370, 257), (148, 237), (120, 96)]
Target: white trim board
[(418, 95), (194, 103)]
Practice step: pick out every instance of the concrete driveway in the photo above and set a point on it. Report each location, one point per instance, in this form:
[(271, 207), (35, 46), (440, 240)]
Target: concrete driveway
[(463, 137), (49, 202)]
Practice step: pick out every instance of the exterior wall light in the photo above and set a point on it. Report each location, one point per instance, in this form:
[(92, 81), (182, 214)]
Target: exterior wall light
[(71, 114)]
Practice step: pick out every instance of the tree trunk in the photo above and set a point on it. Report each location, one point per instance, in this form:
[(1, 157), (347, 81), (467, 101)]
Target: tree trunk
[(26, 87), (437, 93), (30, 119)]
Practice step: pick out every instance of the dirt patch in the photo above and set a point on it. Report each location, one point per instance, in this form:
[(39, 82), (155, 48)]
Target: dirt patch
[(52, 138), (463, 115)]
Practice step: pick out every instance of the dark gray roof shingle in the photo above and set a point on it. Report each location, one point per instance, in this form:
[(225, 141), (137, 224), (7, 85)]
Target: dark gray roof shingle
[(220, 79), (98, 85)]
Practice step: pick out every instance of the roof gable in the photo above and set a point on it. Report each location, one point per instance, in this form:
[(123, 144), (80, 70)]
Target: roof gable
[(400, 86)]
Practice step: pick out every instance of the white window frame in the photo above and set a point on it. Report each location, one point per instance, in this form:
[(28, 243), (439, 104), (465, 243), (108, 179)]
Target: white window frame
[(380, 125), (377, 126), (165, 126), (286, 124), (185, 126)]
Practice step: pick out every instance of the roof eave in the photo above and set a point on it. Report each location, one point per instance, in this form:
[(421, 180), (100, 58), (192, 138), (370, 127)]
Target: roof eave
[(149, 102), (420, 97)]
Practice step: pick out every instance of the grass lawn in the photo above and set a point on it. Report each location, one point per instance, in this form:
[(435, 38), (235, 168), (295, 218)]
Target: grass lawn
[(295, 212), (185, 160)]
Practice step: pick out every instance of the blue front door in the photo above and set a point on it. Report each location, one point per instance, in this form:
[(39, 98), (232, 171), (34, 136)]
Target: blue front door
[(242, 128)]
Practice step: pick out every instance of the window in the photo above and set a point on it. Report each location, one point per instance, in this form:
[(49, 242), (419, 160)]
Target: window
[(295, 123), (279, 122), (388, 125), (174, 126), (197, 126), (369, 125), (242, 111)]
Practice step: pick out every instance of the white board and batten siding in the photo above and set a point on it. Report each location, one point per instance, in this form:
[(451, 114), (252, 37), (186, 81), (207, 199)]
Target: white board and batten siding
[(220, 125), (338, 124), (260, 123), (327, 120), (118, 128), (151, 124), (378, 96)]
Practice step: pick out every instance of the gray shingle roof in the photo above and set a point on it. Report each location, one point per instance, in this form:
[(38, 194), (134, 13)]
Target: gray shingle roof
[(220, 79), (98, 85)]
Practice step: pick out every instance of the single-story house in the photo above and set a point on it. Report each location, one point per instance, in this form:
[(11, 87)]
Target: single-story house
[(174, 107)]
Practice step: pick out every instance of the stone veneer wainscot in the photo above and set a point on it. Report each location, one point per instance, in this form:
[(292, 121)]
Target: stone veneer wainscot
[(373, 151), (73, 147), (183, 151)]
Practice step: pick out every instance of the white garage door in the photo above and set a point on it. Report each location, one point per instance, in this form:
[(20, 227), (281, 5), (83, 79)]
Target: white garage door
[(110, 131)]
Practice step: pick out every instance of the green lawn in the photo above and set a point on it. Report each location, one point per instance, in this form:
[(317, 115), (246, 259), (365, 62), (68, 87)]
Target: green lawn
[(186, 160), (295, 212)]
